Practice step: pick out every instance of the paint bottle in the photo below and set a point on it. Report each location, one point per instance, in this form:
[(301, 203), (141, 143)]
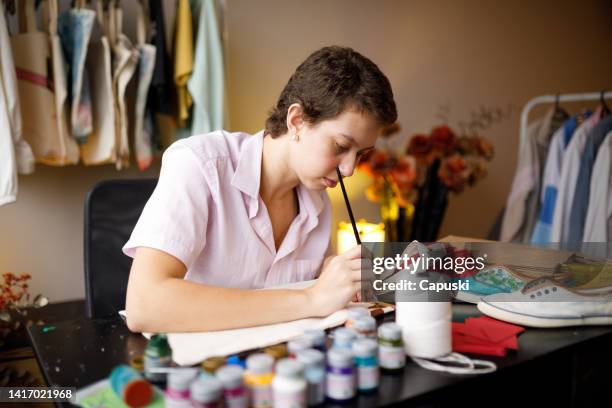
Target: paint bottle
[(365, 326), (276, 352), (354, 313), (343, 338), (391, 354), (234, 392), (235, 360), (299, 344), (211, 365), (318, 338), (177, 387), (258, 379), (206, 392), (157, 354), (314, 373), (365, 351), (129, 385), (340, 384), (289, 385)]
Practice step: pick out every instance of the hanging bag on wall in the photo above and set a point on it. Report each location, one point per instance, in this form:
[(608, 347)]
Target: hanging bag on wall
[(68, 144), (126, 60), (100, 147), (143, 118), (33, 66)]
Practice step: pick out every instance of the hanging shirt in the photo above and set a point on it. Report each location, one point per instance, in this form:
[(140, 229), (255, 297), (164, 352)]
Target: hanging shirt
[(207, 83), (550, 179), (206, 211), (598, 222), (15, 153), (183, 60), (522, 204), (569, 176), (581, 198)]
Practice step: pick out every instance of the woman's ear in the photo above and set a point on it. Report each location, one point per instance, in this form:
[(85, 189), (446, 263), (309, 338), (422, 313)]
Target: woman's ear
[(295, 120)]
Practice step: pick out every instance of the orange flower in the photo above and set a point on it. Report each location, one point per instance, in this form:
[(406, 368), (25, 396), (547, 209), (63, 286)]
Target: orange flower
[(454, 173), (419, 146), (484, 147), (443, 139)]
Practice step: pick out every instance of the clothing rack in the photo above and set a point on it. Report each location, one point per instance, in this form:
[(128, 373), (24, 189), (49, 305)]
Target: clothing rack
[(542, 99)]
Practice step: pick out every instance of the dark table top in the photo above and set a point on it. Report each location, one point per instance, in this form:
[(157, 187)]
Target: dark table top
[(80, 351)]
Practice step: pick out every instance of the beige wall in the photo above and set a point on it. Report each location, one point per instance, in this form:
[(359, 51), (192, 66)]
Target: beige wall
[(466, 54)]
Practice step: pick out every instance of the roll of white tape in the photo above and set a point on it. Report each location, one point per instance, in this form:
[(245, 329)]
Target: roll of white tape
[(426, 328)]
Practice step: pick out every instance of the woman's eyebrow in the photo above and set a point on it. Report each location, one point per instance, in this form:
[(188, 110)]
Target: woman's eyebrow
[(350, 138)]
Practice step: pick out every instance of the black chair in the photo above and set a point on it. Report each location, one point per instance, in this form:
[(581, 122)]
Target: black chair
[(112, 208)]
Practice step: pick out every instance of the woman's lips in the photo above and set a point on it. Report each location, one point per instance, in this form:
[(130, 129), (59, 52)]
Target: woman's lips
[(329, 182)]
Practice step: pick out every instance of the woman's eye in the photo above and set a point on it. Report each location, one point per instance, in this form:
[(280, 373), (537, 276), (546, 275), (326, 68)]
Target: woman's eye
[(340, 148)]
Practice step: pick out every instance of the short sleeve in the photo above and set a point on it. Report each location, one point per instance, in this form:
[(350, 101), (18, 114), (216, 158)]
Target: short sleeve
[(175, 218)]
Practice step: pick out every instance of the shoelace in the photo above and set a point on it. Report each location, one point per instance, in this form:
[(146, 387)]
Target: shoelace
[(461, 364)]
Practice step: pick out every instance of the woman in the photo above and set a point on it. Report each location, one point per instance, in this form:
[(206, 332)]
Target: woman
[(234, 212)]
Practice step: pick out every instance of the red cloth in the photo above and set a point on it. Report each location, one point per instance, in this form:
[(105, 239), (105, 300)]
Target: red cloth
[(484, 335)]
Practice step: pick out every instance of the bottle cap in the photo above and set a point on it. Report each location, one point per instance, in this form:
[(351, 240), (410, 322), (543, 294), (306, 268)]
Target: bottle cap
[(365, 324), (260, 363), (276, 352), (230, 376), (365, 347), (206, 389), (158, 346), (179, 379), (211, 364), (357, 311), (317, 337), (340, 357), (390, 331), (311, 357), (289, 367), (137, 393), (301, 343), (344, 336)]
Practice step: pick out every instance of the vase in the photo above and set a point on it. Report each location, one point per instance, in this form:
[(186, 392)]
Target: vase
[(389, 214), (430, 207)]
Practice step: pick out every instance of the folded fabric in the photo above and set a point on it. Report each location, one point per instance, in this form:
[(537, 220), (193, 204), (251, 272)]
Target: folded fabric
[(192, 348), (483, 335)]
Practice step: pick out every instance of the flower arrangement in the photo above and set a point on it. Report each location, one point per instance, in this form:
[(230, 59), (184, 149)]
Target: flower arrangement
[(14, 301), (414, 184)]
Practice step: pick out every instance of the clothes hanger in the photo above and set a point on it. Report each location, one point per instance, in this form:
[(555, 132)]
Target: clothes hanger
[(602, 100), (560, 115)]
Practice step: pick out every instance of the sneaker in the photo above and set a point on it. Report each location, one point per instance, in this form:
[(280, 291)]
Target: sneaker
[(545, 302), (489, 281)]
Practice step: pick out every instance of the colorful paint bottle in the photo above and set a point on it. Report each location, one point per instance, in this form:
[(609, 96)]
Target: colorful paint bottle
[(354, 313), (258, 379), (289, 385), (314, 373), (177, 387), (157, 354), (234, 392), (276, 352), (296, 345), (318, 338), (365, 351), (211, 365), (206, 392), (129, 385), (365, 326), (235, 360), (391, 354), (340, 384), (343, 338)]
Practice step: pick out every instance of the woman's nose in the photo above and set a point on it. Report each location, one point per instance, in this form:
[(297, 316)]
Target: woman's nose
[(347, 166)]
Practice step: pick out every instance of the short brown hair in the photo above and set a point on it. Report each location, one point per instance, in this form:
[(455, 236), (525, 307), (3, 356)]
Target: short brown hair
[(329, 81)]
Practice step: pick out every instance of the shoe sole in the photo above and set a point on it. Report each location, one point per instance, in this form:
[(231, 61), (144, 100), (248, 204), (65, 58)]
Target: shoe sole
[(541, 322)]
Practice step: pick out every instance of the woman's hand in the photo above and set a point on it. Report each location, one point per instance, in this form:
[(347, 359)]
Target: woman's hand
[(339, 283)]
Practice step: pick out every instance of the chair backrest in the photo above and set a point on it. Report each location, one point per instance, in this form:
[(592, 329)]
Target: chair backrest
[(112, 208)]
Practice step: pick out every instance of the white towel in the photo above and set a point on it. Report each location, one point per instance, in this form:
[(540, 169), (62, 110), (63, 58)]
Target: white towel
[(193, 348)]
